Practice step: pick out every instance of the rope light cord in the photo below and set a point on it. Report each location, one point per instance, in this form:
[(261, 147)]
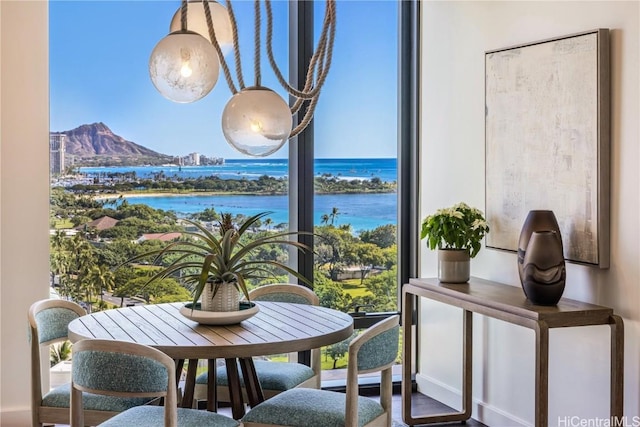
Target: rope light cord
[(325, 47), (320, 58), (256, 41), (183, 16), (236, 44), (319, 64), (216, 45)]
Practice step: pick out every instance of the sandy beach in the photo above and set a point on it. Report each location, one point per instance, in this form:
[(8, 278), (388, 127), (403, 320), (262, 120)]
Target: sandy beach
[(175, 194)]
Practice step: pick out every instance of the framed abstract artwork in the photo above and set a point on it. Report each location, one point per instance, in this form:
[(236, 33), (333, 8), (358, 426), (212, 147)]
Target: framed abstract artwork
[(547, 131)]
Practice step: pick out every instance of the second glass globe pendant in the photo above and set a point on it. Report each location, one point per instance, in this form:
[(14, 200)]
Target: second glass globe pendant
[(256, 121)]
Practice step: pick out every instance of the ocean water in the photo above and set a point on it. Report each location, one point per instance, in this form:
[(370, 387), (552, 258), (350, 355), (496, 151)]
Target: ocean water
[(385, 169), (361, 211)]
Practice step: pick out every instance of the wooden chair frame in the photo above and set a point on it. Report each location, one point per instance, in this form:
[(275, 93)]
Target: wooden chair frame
[(169, 394), (45, 414), (386, 380), (351, 404)]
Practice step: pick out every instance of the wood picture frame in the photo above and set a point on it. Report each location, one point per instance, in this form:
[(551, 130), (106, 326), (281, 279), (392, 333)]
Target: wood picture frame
[(547, 136)]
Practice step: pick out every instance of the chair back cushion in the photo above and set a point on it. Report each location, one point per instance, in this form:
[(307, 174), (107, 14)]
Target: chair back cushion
[(282, 297), (379, 351), (101, 370), (284, 292), (52, 323)]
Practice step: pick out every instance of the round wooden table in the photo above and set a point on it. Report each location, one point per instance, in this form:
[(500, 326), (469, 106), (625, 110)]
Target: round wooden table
[(277, 328)]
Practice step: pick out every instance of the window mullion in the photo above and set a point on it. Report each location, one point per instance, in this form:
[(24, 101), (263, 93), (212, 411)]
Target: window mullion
[(301, 155)]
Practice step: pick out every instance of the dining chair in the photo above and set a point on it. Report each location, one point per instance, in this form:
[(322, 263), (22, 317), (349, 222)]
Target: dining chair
[(48, 321), (118, 368), (376, 349), (274, 377)]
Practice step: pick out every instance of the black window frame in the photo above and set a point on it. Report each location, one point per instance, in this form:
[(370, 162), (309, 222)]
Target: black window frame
[(301, 148)]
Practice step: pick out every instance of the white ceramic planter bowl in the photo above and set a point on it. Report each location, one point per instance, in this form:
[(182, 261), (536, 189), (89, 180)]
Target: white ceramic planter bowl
[(247, 309)]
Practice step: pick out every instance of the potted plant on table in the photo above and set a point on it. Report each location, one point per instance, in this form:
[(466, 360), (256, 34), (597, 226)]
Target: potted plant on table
[(457, 233), (218, 266)]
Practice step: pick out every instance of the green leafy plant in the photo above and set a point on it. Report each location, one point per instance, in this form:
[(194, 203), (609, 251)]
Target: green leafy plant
[(204, 258), (457, 227)]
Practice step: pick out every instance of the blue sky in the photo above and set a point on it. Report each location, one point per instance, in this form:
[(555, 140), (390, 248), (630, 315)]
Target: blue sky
[(99, 52)]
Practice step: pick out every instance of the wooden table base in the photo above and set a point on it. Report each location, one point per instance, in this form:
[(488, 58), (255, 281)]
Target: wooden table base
[(249, 375)]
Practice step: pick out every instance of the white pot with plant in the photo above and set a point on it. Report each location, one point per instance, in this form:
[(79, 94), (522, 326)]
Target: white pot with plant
[(219, 266), (457, 233)]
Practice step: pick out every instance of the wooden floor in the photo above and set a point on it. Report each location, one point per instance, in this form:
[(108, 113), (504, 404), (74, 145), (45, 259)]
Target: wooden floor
[(422, 405)]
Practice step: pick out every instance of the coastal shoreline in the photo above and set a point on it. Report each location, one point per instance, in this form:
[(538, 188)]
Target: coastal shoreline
[(217, 193), (177, 194)]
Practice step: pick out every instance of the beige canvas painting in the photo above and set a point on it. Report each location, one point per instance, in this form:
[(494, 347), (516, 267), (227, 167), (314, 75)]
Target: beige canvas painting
[(547, 141)]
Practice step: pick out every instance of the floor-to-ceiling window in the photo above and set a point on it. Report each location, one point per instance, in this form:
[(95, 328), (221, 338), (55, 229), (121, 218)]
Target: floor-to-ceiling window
[(356, 146), (352, 166)]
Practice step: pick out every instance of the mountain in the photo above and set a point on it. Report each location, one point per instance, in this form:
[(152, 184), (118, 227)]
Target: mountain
[(96, 144)]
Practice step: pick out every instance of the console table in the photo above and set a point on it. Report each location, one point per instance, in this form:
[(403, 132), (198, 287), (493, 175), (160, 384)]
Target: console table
[(507, 303)]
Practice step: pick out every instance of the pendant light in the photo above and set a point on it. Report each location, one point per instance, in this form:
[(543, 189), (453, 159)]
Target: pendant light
[(184, 66), (256, 120), (197, 22)]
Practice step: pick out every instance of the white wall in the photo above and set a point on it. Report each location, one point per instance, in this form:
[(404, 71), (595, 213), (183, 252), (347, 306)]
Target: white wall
[(24, 193), (455, 35)]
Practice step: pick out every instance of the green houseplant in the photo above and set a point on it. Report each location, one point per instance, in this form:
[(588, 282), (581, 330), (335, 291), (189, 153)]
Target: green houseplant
[(457, 233), (214, 263)]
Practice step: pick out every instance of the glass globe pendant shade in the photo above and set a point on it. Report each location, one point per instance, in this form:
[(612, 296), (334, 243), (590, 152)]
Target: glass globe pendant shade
[(197, 22), (256, 121), (184, 66)]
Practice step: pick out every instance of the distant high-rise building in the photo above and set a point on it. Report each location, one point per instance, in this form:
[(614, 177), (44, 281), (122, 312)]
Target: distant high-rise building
[(195, 159), (56, 152)]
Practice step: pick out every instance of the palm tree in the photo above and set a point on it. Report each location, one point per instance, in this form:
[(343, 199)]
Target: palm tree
[(334, 214), (82, 260), (57, 240), (59, 260), (59, 353), (101, 278), (324, 219)]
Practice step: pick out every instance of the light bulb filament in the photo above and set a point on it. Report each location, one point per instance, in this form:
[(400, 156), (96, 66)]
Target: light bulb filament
[(256, 126), (185, 70)]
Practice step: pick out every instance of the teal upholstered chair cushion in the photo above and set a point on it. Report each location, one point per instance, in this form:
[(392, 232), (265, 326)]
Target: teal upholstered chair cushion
[(60, 397), (118, 372), (153, 416), (272, 375), (52, 323), (118, 367), (310, 407), (380, 350), (282, 297)]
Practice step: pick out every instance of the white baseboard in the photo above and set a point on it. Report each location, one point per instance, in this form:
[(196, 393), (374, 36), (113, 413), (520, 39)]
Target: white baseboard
[(480, 411)]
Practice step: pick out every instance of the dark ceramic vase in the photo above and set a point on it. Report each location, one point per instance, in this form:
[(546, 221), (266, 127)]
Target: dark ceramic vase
[(537, 220), (544, 273)]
